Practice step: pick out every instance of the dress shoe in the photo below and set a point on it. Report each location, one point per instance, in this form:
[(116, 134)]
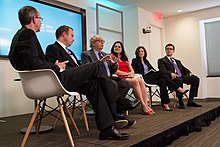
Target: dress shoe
[(131, 122), (181, 104), (166, 109), (121, 123), (193, 104), (150, 112), (113, 134)]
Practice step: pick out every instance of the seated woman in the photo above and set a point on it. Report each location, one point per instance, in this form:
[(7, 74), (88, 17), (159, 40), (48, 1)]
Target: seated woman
[(142, 66), (126, 72)]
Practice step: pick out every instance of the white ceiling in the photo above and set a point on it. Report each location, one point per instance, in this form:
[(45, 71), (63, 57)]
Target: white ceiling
[(169, 7)]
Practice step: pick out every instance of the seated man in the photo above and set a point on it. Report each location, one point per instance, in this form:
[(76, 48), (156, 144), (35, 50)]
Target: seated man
[(59, 51), (94, 55), (180, 74), (26, 54)]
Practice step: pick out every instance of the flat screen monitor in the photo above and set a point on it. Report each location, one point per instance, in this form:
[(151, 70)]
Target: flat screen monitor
[(54, 14)]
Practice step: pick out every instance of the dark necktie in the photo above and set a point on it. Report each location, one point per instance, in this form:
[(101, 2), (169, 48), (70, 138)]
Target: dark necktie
[(176, 67), (75, 61), (103, 64)]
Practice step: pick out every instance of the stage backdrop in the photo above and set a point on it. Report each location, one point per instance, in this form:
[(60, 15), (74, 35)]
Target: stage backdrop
[(53, 15)]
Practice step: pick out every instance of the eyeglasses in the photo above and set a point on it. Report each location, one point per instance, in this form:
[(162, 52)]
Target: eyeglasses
[(101, 41), (169, 48), (41, 19)]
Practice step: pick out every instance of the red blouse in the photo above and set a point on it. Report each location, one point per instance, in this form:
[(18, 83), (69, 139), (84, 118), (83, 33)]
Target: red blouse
[(123, 66)]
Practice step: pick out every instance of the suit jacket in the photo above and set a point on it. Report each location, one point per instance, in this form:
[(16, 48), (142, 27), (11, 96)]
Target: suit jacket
[(56, 52), (89, 57), (26, 52), (164, 64), (138, 66)]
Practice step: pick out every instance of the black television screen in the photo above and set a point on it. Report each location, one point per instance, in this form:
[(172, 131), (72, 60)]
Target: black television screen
[(54, 15)]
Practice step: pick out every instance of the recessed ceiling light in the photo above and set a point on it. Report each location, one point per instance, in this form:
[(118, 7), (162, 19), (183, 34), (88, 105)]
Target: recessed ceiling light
[(179, 11)]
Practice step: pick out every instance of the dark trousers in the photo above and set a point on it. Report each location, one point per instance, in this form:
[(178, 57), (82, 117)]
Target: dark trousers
[(163, 81), (123, 87), (189, 80), (89, 79)]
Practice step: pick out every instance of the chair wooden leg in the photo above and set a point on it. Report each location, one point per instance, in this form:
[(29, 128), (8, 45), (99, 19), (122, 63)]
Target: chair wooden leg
[(186, 96), (30, 126), (71, 118), (58, 116), (66, 125), (84, 114), (41, 117), (174, 99)]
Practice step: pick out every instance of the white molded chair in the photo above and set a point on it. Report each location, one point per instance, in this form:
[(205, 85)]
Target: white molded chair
[(152, 92), (43, 84)]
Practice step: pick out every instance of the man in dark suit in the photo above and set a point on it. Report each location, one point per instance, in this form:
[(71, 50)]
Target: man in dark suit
[(180, 74), (59, 51), (26, 54), (94, 55)]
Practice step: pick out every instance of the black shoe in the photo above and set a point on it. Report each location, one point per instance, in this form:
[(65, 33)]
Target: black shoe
[(165, 109), (113, 134), (121, 123), (193, 104), (131, 122), (181, 104)]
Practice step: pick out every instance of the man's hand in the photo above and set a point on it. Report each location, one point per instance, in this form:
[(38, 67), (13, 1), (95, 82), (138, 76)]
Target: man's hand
[(113, 58), (62, 65), (105, 58), (173, 75)]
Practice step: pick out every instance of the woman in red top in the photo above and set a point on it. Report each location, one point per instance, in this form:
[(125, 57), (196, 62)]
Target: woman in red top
[(126, 72)]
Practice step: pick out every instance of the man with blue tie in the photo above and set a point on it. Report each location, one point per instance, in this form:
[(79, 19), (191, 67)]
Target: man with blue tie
[(179, 74), (59, 52), (94, 55)]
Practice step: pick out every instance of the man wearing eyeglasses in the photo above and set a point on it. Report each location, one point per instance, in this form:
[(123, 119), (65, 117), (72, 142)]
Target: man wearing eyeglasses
[(26, 54), (94, 55), (179, 74)]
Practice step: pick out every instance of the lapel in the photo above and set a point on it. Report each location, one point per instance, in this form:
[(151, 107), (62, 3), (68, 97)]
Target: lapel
[(93, 56), (65, 55), (169, 64)]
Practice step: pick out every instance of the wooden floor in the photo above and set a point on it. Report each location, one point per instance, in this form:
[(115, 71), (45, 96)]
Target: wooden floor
[(146, 126)]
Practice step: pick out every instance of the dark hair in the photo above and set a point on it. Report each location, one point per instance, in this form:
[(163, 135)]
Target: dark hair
[(169, 44), (123, 55), (26, 14), (137, 52), (62, 29)]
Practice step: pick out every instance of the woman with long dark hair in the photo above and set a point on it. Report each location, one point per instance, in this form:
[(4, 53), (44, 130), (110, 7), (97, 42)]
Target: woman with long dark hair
[(142, 66), (126, 72)]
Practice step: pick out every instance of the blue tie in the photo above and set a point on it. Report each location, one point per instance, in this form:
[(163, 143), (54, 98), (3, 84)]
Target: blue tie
[(70, 53), (103, 64), (176, 67)]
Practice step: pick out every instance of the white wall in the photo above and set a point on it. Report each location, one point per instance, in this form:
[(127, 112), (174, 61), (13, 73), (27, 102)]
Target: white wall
[(184, 32)]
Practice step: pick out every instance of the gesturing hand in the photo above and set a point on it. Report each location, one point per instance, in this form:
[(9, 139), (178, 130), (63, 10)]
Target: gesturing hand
[(62, 65), (105, 58), (113, 59)]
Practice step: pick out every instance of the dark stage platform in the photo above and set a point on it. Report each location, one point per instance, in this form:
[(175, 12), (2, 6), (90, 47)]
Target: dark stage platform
[(159, 130)]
